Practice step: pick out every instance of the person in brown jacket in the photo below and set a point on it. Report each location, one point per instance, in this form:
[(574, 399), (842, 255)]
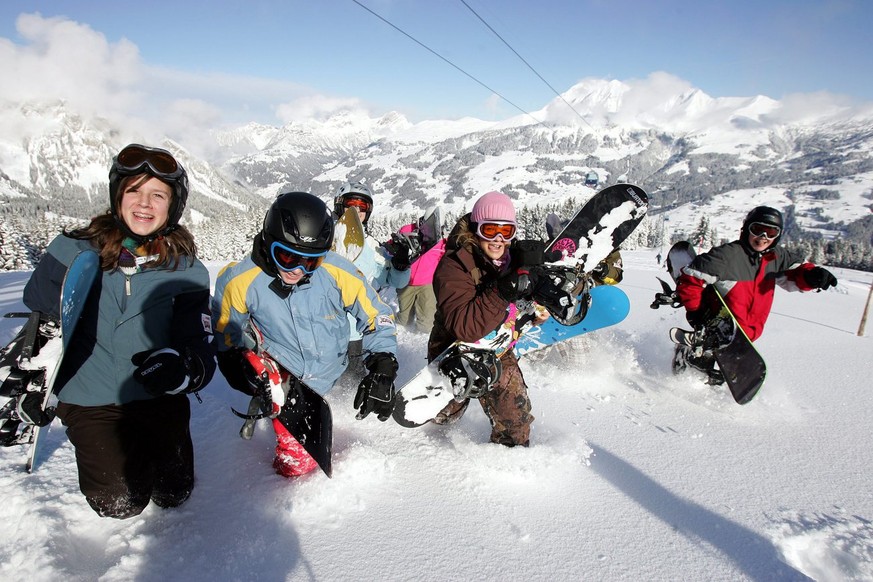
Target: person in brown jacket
[(476, 285)]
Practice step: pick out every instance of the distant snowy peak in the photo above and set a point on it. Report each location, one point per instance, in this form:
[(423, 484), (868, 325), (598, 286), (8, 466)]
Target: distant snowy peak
[(670, 104)]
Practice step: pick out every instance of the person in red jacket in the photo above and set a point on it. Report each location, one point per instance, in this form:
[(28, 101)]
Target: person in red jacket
[(745, 272)]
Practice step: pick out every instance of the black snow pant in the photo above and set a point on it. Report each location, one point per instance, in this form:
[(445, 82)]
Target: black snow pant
[(128, 454)]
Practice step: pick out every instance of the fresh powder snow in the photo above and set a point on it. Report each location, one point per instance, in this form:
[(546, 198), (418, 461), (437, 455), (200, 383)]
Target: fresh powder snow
[(632, 473)]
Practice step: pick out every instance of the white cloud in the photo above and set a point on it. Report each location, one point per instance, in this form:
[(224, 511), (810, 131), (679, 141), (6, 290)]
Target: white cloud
[(318, 107)]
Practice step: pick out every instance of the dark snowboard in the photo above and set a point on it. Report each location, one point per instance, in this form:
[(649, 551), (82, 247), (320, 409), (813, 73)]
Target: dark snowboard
[(721, 339)]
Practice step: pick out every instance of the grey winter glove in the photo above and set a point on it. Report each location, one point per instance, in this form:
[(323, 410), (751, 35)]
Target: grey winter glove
[(820, 278), (376, 391), (165, 371)]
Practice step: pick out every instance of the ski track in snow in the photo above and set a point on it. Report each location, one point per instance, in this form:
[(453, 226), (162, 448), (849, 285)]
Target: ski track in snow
[(633, 473)]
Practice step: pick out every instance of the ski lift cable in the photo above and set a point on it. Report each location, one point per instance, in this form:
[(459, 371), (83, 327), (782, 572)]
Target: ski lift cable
[(424, 46), (529, 66)]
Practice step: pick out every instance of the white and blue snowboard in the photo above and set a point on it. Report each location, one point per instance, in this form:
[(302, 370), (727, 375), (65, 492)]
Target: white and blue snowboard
[(30, 363)]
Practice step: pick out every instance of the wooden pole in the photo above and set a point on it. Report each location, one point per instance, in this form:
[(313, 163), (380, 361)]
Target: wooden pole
[(866, 311)]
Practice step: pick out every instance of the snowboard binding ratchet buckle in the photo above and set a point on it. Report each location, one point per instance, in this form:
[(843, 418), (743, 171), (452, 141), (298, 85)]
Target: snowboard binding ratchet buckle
[(471, 371)]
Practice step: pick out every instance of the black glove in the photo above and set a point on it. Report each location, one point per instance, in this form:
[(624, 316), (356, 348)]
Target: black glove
[(516, 284), (531, 253), (165, 371), (400, 259), (376, 391), (820, 278), (697, 318), (29, 409), (239, 373)]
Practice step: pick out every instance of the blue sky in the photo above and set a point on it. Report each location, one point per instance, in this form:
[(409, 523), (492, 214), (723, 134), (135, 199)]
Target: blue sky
[(275, 60)]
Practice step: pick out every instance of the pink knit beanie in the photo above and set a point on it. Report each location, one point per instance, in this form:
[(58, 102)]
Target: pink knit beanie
[(494, 206)]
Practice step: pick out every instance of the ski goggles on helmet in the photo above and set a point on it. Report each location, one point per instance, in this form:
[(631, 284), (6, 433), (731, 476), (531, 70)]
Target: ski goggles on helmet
[(137, 159), (287, 259), (358, 203), (491, 230), (767, 231)]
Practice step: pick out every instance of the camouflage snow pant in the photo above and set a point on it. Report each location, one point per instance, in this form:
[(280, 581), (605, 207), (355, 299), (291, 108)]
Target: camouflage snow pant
[(506, 404)]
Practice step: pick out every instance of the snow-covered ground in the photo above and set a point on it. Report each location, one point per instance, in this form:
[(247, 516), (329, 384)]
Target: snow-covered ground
[(632, 474)]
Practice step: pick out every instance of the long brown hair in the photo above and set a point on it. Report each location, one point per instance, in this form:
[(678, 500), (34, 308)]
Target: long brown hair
[(107, 237)]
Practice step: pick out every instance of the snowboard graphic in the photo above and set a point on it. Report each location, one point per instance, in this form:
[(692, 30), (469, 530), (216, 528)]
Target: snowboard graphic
[(597, 229), (600, 226), (722, 339), (31, 362), (466, 370), (348, 236), (300, 409)]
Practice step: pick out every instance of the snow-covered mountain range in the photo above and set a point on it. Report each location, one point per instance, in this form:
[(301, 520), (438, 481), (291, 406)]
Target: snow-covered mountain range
[(698, 156)]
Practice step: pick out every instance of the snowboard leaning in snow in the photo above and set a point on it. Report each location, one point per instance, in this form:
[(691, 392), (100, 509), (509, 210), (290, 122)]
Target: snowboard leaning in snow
[(30, 363), (468, 369), (721, 338), (299, 408)]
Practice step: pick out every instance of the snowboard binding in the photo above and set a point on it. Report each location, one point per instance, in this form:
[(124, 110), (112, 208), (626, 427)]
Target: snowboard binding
[(471, 371), (564, 293)]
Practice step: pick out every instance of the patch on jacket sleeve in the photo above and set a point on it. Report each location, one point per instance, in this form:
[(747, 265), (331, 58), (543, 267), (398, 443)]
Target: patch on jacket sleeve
[(385, 321), (206, 320)]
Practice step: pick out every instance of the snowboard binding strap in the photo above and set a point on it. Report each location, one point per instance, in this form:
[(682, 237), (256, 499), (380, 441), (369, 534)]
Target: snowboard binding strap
[(472, 371)]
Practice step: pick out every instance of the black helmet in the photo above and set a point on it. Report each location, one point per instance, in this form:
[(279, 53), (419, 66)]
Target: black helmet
[(353, 191), (136, 159), (299, 220), (764, 215)]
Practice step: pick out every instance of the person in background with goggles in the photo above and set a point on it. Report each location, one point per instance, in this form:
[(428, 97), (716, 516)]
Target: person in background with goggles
[(144, 341), (297, 293), (477, 284), (382, 269), (745, 272)]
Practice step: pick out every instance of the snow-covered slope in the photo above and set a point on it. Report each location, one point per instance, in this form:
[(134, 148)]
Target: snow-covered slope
[(632, 474)]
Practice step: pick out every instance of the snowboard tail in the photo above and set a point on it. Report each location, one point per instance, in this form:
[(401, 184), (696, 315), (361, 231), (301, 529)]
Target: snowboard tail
[(303, 411)]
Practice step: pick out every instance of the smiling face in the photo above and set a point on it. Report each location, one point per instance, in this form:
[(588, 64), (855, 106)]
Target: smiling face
[(759, 243), (145, 204), (493, 249)]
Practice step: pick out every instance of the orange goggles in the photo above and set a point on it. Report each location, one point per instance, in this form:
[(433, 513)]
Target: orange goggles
[(491, 230), (357, 203)]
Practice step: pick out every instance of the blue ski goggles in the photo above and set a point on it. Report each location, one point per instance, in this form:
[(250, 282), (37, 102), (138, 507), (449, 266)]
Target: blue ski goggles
[(287, 259)]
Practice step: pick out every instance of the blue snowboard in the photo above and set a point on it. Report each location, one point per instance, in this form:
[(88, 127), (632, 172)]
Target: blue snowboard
[(609, 306), (80, 277), (31, 362)]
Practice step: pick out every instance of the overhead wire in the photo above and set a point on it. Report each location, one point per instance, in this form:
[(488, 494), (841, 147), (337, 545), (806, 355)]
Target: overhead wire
[(432, 51), (529, 66)]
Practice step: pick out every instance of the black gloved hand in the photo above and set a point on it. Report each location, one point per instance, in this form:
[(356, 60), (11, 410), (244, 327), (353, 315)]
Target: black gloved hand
[(820, 278), (165, 371), (400, 259), (29, 409), (697, 318), (516, 284), (376, 391), (239, 373), (531, 253)]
